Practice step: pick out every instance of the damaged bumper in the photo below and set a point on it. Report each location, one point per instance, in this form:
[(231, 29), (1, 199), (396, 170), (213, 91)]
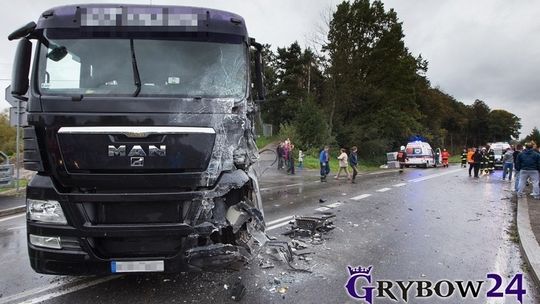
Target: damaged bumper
[(214, 229)]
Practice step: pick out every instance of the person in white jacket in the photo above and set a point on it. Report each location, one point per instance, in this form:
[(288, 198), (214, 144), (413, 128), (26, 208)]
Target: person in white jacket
[(343, 164)]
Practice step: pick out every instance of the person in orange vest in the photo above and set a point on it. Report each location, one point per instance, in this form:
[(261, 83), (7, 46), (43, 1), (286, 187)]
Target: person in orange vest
[(445, 156), (470, 160)]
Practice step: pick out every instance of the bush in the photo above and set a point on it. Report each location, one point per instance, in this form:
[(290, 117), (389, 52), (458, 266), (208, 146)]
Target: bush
[(8, 135)]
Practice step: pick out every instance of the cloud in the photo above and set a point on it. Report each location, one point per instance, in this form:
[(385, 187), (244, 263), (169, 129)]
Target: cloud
[(482, 49)]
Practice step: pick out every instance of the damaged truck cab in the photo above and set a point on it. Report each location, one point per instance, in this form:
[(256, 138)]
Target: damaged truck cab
[(141, 130)]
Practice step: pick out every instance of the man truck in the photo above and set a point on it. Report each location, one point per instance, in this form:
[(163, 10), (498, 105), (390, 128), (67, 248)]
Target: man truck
[(141, 130)]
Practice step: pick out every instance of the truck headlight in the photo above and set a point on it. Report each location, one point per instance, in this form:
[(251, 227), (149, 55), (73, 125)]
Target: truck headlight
[(45, 211), (45, 241)]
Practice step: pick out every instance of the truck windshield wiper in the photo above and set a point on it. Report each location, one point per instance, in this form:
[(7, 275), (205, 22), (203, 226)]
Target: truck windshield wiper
[(136, 75)]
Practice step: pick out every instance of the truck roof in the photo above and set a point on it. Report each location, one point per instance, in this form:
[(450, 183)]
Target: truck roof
[(151, 17)]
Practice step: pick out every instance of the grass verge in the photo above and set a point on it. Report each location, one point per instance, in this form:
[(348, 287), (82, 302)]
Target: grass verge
[(22, 183), (311, 162)]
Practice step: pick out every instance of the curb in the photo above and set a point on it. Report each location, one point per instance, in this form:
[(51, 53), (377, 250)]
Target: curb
[(528, 242), (14, 210)]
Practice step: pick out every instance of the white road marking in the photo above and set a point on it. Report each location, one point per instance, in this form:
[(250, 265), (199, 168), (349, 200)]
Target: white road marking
[(322, 209), (384, 190), (16, 228), (359, 197), (291, 185), (334, 205), (277, 226), (11, 217), (62, 292), (279, 220), (419, 179), (400, 185)]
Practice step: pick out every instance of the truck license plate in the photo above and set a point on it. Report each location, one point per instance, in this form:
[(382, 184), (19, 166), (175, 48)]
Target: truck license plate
[(137, 266)]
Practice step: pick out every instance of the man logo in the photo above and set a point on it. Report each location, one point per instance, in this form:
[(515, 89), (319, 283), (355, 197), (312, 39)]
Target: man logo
[(137, 161), (137, 150)]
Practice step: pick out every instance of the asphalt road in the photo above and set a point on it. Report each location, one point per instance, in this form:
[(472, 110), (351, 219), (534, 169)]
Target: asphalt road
[(424, 224)]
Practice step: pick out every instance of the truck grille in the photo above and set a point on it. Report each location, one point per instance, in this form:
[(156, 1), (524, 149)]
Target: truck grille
[(134, 212), (155, 246)]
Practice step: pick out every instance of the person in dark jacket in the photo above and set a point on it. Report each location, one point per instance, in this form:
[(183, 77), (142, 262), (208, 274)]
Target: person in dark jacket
[(353, 161), (324, 159), (528, 164), (290, 170), (478, 158), (464, 158), (491, 160)]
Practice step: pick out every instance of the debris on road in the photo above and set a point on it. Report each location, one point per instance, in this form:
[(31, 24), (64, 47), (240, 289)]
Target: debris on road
[(308, 225), (238, 291)]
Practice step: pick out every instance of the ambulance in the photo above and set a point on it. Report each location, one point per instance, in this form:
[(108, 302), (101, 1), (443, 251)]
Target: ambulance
[(420, 154)]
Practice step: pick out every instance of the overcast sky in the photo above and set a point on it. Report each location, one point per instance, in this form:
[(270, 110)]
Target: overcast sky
[(482, 49)]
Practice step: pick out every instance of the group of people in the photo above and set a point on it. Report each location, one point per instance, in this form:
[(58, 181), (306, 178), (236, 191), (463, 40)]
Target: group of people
[(345, 160), (286, 156), (479, 159), (524, 160)]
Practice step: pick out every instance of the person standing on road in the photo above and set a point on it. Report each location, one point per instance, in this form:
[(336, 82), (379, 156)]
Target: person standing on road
[(464, 158), (528, 164), (325, 166), (518, 150), (478, 159), (343, 164), (290, 170), (279, 151), (484, 163), (508, 164), (445, 156), (402, 158), (491, 160), (470, 160), (300, 159), (353, 161)]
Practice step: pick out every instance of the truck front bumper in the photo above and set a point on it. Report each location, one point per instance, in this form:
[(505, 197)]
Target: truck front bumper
[(187, 231)]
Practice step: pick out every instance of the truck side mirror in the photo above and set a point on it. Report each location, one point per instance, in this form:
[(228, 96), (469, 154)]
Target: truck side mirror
[(259, 76), (21, 67)]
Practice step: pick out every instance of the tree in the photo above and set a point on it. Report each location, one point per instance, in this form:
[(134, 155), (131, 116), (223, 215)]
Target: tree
[(533, 136), (503, 126)]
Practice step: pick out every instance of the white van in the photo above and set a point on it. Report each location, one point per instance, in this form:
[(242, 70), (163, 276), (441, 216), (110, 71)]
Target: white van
[(499, 148), (420, 154)]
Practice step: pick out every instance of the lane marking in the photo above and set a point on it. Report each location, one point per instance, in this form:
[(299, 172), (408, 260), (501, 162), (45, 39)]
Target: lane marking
[(322, 209), (11, 217), (277, 226), (56, 294), (16, 228), (383, 190), (286, 186), (419, 179), (359, 197), (286, 218), (334, 205), (400, 185)]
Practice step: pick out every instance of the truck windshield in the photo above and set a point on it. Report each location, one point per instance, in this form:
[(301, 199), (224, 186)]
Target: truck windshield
[(165, 67)]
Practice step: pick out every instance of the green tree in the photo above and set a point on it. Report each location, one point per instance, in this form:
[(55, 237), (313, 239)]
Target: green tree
[(533, 136), (503, 126)]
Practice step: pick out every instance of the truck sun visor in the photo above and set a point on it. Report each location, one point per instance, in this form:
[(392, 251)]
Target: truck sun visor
[(126, 16)]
